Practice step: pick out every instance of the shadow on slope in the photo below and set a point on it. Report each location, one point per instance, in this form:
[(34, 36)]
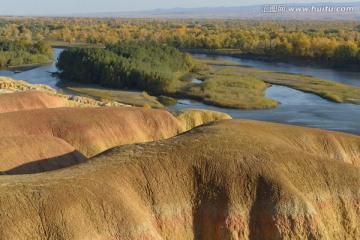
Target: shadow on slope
[(49, 164)]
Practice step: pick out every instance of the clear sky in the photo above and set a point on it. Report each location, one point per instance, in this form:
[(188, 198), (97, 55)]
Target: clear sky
[(48, 7)]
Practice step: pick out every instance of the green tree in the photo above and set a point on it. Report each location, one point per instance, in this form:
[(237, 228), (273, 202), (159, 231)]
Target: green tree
[(345, 54)]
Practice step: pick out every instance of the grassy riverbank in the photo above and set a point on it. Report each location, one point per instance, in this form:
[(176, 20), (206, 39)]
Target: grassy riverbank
[(231, 91), (327, 89), (134, 98), (218, 63), (238, 87), (27, 67), (243, 87)]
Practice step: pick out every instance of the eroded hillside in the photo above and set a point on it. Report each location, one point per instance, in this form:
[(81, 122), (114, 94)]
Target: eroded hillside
[(92, 130), (28, 154), (231, 179), (44, 131), (147, 178)]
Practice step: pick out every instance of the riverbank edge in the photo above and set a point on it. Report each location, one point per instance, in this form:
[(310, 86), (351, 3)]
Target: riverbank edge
[(178, 96), (351, 100), (66, 85), (183, 95), (69, 85), (27, 67), (346, 101), (295, 62)]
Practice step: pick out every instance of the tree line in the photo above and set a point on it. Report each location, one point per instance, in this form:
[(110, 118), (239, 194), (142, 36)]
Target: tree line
[(15, 53), (140, 65), (333, 42)]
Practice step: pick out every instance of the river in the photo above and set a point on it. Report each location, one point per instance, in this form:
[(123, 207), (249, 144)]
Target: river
[(40, 75), (345, 77), (297, 108)]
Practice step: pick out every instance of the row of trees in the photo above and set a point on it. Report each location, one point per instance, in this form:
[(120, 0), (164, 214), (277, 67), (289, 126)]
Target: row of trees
[(321, 41), (147, 66), (18, 52)]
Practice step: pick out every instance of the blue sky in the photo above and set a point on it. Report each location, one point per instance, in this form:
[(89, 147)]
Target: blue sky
[(47, 7)]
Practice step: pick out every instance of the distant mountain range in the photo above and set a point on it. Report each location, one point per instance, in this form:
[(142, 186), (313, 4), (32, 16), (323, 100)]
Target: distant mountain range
[(259, 12)]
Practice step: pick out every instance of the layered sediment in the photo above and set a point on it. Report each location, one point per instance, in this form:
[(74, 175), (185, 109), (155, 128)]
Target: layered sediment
[(230, 179), (92, 130), (36, 154)]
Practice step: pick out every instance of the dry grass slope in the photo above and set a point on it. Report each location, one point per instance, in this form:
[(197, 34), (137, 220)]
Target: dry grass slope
[(226, 180)]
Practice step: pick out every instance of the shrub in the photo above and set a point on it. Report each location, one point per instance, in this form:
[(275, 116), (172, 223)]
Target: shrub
[(147, 106)]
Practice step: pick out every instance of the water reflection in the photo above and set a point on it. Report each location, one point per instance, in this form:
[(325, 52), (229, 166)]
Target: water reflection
[(196, 81)]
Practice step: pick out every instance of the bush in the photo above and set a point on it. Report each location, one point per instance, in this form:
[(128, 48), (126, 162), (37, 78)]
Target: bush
[(147, 106)]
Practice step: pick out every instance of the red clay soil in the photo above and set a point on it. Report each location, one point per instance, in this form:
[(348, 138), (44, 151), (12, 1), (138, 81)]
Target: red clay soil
[(226, 180), (28, 100), (35, 154), (92, 130)]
